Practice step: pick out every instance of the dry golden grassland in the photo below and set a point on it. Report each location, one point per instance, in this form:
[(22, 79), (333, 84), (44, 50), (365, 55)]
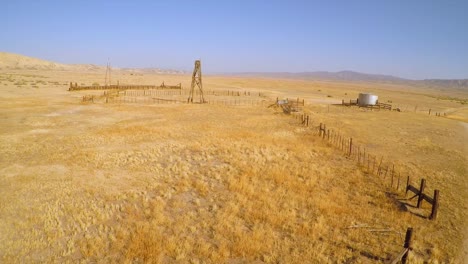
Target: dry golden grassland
[(142, 183)]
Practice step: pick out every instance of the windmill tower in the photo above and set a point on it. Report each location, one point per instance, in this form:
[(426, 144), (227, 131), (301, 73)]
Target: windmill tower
[(196, 81), (108, 74)]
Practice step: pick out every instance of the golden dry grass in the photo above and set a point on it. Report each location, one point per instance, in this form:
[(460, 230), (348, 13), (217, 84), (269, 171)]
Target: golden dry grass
[(218, 184)]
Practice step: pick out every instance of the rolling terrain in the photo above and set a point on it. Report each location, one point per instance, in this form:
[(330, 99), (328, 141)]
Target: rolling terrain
[(204, 183)]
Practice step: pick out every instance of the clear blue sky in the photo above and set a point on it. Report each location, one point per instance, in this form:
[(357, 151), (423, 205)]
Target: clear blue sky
[(409, 38)]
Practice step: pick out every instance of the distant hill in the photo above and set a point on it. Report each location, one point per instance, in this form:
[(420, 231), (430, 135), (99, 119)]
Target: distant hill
[(458, 83), (358, 76), (10, 61), (15, 61), (325, 75)]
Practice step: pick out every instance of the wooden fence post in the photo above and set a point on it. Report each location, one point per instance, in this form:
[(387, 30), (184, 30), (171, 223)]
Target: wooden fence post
[(350, 146), (407, 245), (324, 131), (380, 166), (407, 185), (359, 155), (398, 183), (435, 205), (420, 194), (373, 166), (393, 172), (368, 162)]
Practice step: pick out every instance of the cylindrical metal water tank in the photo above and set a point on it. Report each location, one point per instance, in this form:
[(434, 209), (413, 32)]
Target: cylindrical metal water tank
[(367, 99)]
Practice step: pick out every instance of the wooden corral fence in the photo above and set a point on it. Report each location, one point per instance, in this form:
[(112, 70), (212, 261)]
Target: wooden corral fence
[(351, 102), (372, 164), (162, 96), (383, 106), (230, 93), (376, 106), (419, 192), (159, 100), (76, 87), (157, 92), (87, 98), (289, 105)]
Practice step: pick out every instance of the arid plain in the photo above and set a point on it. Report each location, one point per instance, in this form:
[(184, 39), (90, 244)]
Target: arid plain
[(212, 183)]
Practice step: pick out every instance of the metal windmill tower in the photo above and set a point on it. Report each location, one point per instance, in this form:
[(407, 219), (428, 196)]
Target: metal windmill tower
[(196, 81)]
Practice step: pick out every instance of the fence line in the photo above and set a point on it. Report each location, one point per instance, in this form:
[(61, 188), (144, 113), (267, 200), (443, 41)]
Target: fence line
[(76, 87), (156, 100), (385, 170), (407, 247)]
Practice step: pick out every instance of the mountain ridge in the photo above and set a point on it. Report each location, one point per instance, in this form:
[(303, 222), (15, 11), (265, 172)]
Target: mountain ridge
[(357, 76), (11, 61)]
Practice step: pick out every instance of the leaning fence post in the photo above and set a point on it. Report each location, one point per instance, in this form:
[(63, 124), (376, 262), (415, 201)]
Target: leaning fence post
[(407, 245), (435, 205), (398, 182), (421, 195), (350, 145)]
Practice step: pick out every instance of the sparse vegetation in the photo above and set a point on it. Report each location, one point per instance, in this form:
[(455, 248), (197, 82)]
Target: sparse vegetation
[(215, 184)]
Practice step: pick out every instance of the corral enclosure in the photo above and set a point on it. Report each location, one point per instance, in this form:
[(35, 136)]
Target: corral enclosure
[(144, 181)]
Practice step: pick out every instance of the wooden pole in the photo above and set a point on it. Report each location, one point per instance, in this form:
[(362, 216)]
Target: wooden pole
[(407, 245), (324, 130), (373, 166), (420, 194), (359, 155), (407, 184), (320, 130), (393, 172), (368, 161), (398, 183), (435, 205), (380, 166), (386, 170), (350, 146), (364, 156)]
